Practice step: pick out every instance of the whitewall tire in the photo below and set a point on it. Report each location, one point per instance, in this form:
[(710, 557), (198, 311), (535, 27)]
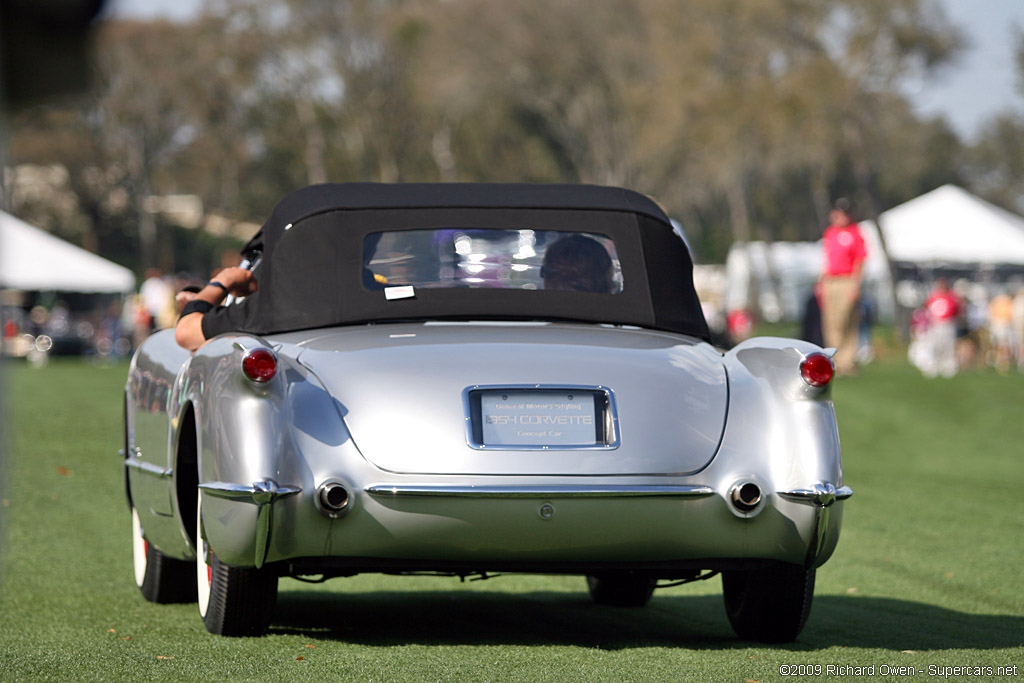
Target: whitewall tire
[(233, 601), (160, 578)]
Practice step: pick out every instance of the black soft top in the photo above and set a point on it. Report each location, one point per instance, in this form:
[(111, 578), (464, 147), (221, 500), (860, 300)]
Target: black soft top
[(311, 270)]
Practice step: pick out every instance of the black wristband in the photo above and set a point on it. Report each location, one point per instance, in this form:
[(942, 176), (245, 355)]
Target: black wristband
[(214, 283), (196, 306)]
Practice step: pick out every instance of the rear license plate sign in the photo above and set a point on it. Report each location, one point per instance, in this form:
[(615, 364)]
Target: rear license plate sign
[(540, 419)]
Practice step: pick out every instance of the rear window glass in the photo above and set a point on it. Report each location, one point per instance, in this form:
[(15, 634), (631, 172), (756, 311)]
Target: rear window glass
[(500, 259)]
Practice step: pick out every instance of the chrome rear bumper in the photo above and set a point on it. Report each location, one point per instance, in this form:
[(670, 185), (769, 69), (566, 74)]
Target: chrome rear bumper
[(582, 491)]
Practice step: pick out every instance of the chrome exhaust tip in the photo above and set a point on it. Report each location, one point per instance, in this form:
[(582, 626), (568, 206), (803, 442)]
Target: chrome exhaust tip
[(745, 496), (333, 498)]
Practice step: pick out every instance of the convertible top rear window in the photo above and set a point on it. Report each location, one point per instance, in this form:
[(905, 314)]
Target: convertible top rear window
[(493, 258), (341, 254)]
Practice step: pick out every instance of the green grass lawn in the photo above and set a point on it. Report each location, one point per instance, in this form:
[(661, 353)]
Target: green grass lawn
[(929, 571)]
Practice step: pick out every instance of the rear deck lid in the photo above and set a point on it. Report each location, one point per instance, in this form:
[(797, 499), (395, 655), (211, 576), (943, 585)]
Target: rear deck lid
[(524, 398)]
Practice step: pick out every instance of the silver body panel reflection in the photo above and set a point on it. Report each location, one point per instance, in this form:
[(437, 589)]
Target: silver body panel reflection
[(379, 412)]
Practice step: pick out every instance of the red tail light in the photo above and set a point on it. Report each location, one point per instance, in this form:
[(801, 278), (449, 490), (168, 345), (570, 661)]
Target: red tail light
[(259, 365), (817, 369)]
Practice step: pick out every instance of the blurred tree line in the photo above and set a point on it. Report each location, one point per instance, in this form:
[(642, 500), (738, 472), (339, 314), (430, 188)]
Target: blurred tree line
[(744, 119)]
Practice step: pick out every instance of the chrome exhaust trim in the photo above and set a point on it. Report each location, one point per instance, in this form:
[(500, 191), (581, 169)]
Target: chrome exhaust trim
[(333, 499), (745, 496)]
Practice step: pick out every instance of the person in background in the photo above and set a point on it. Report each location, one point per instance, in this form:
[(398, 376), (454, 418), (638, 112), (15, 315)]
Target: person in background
[(845, 252), (865, 349), (976, 302), (1000, 329), (943, 307), (740, 324), (917, 352), (157, 299), (967, 338), (810, 329), (1018, 326)]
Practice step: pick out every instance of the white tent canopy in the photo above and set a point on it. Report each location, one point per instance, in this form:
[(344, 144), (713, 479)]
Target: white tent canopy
[(34, 260), (951, 226)]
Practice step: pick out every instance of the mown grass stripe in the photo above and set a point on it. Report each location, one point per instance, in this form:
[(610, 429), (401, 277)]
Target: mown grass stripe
[(927, 573)]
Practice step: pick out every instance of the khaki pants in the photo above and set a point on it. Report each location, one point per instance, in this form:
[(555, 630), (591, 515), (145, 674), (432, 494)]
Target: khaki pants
[(840, 317)]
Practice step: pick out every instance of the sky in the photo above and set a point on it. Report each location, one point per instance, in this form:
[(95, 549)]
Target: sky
[(981, 85)]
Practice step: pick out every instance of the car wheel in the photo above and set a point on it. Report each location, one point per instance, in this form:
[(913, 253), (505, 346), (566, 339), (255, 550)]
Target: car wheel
[(768, 605), (233, 601), (160, 578), (621, 590)]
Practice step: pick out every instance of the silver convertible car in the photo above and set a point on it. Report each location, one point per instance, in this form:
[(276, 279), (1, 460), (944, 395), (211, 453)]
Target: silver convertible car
[(461, 380)]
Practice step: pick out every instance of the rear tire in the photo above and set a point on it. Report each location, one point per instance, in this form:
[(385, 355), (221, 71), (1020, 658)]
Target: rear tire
[(161, 579), (621, 590), (233, 601), (768, 605)]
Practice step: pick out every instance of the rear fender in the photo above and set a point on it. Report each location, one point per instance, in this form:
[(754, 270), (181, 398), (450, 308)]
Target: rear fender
[(240, 425), (782, 434), (778, 418), (246, 446)]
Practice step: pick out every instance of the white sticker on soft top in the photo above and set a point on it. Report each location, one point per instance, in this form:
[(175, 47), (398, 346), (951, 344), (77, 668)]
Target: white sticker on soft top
[(403, 292)]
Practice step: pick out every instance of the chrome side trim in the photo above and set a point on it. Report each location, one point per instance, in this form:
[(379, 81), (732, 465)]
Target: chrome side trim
[(822, 495), (263, 494), (582, 491), (259, 492), (133, 462)]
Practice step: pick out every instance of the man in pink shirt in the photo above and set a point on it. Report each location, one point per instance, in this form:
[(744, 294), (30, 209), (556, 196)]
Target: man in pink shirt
[(845, 252), (943, 308)]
